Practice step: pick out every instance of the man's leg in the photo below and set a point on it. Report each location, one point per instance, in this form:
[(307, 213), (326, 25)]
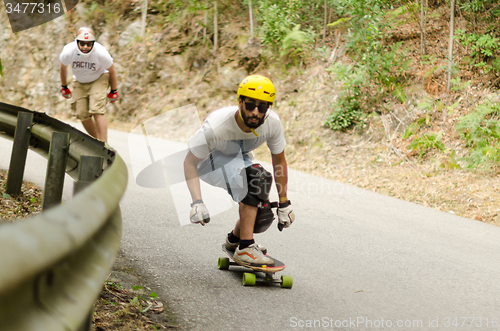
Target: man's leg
[(101, 125), (89, 125), (80, 107), (97, 106), (248, 252), (245, 225)]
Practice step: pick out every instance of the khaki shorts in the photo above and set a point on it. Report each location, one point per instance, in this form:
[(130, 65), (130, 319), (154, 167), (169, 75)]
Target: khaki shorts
[(90, 98)]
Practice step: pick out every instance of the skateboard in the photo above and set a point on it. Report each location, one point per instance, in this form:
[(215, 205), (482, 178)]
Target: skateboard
[(249, 278)]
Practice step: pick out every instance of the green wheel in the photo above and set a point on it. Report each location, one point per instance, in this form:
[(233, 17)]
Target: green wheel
[(223, 263), (248, 279), (286, 281)]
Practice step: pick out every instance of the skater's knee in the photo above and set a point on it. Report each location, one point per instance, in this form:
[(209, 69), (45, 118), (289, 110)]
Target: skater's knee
[(259, 182)]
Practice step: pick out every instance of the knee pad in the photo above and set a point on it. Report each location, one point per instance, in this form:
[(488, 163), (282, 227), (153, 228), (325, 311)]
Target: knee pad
[(259, 182), (264, 219)]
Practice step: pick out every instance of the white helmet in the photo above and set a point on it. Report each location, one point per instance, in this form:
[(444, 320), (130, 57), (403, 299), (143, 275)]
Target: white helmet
[(86, 35)]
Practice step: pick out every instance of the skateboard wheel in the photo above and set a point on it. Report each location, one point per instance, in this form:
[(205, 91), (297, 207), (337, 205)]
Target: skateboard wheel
[(248, 279), (223, 263), (286, 281)]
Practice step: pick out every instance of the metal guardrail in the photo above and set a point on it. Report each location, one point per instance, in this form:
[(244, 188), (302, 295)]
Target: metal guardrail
[(53, 265)]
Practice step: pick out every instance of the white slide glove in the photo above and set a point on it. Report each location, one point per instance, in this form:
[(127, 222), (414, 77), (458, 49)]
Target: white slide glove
[(199, 213), (286, 216)]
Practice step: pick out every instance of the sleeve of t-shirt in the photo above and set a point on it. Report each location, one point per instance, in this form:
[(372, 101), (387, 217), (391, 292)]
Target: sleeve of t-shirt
[(65, 56), (105, 59), (276, 142), (197, 144)]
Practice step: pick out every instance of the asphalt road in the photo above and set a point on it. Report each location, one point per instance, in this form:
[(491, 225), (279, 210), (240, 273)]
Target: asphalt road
[(359, 260)]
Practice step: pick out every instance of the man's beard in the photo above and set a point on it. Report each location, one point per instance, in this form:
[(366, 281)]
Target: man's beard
[(251, 125), (81, 50)]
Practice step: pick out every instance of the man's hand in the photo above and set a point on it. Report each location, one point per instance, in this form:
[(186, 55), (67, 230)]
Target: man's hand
[(286, 215), (199, 213), (113, 96), (66, 92)]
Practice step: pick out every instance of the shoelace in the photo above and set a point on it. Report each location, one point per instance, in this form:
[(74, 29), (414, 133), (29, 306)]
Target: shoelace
[(256, 248)]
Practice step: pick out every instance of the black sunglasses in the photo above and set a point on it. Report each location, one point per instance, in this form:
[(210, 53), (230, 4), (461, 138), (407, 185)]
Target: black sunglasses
[(86, 43), (263, 107)]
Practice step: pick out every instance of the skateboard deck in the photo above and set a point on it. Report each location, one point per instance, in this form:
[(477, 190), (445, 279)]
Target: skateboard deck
[(250, 278)]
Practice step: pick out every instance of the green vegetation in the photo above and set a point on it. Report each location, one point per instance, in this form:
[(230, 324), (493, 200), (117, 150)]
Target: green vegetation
[(427, 142), (281, 28), (135, 309), (414, 127), (472, 8), (481, 132), (347, 110), (377, 58), (378, 66), (482, 50)]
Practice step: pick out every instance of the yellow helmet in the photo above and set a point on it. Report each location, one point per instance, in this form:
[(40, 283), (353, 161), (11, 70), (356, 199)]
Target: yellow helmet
[(257, 87)]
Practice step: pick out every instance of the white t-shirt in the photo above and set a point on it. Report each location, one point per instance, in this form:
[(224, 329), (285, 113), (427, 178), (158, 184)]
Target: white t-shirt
[(224, 134), (86, 69)]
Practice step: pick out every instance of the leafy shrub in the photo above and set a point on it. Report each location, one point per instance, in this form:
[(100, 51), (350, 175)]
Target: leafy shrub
[(482, 47), (458, 85), (481, 131), (427, 142), (475, 6), (277, 19), (295, 43), (282, 25), (377, 69), (347, 113), (413, 128), (374, 71)]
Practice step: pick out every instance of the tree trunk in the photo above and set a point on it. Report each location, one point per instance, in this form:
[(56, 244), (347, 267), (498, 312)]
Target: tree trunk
[(450, 44), (251, 19), (324, 25), (216, 40), (205, 22), (215, 28), (144, 14), (423, 48)]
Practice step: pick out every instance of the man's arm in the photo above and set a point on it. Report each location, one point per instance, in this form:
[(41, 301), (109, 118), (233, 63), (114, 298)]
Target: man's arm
[(113, 81), (63, 72), (199, 212), (286, 215), (280, 168), (191, 174)]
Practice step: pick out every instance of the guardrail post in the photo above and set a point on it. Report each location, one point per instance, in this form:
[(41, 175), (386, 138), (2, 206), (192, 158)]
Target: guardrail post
[(19, 153), (56, 169), (90, 169)]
